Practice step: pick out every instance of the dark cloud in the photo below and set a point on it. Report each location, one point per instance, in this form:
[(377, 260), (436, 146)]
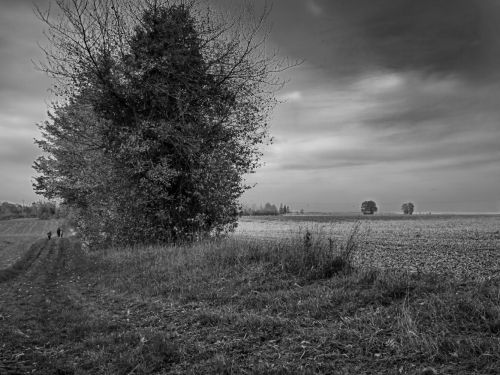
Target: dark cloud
[(428, 35), (349, 37)]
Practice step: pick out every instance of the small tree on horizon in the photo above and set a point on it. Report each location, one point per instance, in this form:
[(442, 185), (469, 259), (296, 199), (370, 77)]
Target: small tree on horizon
[(408, 208), (369, 207)]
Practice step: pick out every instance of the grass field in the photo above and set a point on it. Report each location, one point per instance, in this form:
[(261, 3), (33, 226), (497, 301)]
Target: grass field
[(247, 305), (16, 236)]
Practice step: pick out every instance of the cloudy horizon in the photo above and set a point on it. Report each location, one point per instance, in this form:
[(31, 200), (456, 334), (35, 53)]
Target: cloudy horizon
[(395, 101)]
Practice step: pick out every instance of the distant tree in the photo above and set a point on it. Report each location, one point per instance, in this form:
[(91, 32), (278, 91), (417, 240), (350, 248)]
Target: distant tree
[(284, 209), (9, 210), (270, 209), (246, 211), (164, 111), (408, 208), (369, 207), (14, 211), (46, 210)]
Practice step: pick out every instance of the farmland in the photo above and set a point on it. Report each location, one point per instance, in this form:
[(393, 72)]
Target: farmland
[(457, 245), (17, 235), (261, 301)]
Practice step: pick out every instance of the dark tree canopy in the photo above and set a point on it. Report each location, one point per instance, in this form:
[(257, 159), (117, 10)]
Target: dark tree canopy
[(408, 208), (369, 207), (163, 112)]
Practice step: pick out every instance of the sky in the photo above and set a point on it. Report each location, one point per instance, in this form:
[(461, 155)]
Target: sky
[(395, 101)]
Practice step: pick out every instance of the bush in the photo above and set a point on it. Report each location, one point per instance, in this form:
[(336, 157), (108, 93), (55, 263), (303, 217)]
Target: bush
[(317, 256)]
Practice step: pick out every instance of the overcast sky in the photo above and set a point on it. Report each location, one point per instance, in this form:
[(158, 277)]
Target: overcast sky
[(396, 100)]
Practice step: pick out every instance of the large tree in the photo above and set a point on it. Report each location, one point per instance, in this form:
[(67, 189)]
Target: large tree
[(163, 110)]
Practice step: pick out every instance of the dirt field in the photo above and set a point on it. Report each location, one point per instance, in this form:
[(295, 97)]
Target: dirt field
[(16, 236), (459, 245)]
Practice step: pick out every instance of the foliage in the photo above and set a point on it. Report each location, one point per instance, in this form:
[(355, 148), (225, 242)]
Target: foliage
[(284, 209), (41, 210), (369, 207), (313, 255), (266, 210), (408, 208), (165, 110), (11, 211)]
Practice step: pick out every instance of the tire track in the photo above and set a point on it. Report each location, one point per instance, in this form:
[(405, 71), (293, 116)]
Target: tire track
[(52, 316), (31, 303), (23, 264)]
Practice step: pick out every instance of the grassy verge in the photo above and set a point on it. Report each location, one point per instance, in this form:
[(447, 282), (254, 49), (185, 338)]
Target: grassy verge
[(294, 306)]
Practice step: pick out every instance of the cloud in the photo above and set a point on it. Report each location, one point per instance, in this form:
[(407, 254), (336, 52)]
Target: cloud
[(355, 37), (406, 120), (314, 8), (293, 96), (23, 92)]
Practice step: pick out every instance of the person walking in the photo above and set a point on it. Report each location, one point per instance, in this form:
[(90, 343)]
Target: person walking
[(58, 232), (49, 234)]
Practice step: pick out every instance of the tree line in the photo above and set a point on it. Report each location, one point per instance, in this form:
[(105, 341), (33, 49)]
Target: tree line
[(41, 210), (267, 209)]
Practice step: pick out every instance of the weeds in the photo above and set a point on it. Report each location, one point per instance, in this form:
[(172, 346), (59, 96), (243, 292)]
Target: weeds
[(315, 255), (233, 306)]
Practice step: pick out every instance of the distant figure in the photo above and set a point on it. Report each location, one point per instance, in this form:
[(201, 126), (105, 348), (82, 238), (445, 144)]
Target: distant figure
[(61, 233), (49, 234), (58, 232)]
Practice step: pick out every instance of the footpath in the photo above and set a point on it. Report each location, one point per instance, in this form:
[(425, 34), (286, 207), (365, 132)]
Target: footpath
[(41, 308)]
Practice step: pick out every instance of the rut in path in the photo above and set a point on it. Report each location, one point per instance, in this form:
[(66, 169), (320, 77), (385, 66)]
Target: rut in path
[(32, 302), (24, 263)]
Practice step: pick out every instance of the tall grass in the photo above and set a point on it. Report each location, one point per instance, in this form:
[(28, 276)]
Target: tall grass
[(305, 297)]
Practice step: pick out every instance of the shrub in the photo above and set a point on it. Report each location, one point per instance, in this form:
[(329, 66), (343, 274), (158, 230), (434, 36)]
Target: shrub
[(317, 256)]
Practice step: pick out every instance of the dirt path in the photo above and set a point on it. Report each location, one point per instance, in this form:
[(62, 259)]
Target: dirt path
[(56, 318), (36, 310)]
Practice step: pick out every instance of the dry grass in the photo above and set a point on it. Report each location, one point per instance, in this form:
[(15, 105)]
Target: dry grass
[(459, 246), (250, 306), (285, 307)]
